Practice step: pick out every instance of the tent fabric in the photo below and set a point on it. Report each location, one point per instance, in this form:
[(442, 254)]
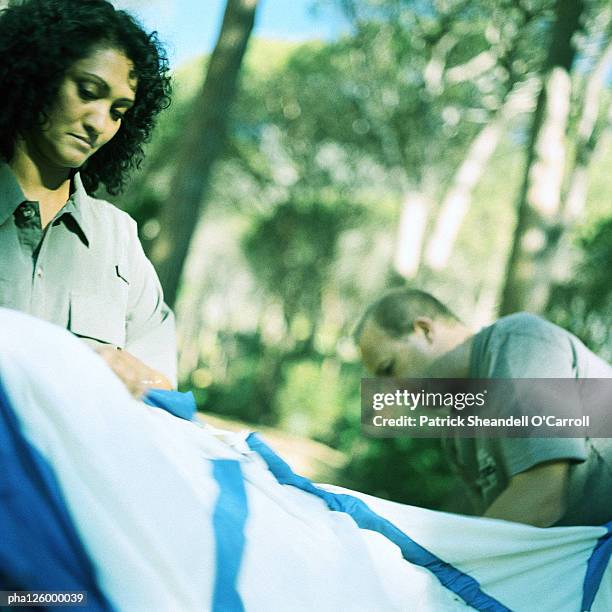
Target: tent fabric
[(596, 568), (39, 547), (170, 515), (453, 579)]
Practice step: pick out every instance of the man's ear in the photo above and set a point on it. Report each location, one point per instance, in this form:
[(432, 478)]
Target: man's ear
[(424, 325)]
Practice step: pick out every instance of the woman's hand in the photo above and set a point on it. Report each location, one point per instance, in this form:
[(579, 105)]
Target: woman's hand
[(136, 376)]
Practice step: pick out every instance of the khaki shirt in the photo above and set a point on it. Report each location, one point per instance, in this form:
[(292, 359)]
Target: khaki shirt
[(86, 272)]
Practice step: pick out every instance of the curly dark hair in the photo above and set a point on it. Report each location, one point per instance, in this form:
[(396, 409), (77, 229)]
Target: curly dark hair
[(41, 39)]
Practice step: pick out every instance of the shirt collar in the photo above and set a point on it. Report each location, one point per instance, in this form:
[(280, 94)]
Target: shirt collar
[(11, 196)]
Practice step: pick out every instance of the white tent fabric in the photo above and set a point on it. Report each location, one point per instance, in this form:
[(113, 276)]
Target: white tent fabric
[(175, 516)]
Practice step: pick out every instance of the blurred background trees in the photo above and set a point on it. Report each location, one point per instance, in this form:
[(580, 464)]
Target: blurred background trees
[(201, 144), (459, 146)]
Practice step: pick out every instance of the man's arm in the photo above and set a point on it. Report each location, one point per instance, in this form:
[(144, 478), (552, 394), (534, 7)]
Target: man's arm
[(536, 497)]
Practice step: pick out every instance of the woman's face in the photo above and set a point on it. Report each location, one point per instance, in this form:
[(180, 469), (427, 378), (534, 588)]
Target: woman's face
[(91, 102)]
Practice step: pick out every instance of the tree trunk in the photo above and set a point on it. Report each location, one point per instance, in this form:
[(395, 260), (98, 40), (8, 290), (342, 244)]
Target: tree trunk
[(539, 224), (592, 124), (457, 199), (203, 144), (410, 235)]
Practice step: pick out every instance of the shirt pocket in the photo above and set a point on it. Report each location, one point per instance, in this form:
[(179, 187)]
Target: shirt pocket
[(121, 270), (8, 293), (98, 319)]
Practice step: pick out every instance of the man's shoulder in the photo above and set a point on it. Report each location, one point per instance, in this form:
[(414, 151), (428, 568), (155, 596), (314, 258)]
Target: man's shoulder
[(522, 345), (527, 324)]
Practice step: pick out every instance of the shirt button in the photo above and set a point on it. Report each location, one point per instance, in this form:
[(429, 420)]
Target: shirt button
[(39, 272)]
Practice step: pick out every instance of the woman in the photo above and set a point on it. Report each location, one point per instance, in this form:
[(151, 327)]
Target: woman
[(82, 85)]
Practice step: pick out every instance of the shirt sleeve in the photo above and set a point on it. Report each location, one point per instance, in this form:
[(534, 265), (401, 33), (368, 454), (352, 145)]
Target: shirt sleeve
[(526, 355), (520, 454), (531, 354), (150, 326)]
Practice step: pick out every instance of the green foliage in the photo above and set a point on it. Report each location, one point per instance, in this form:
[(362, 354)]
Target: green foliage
[(247, 392), (315, 395), (583, 305), (291, 250), (406, 470), (350, 93)]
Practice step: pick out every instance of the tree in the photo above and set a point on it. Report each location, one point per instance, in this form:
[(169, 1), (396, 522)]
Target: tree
[(594, 118), (539, 224), (412, 91), (593, 121), (204, 139), (458, 197)]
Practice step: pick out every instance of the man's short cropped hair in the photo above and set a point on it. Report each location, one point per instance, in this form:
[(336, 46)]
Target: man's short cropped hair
[(397, 309)]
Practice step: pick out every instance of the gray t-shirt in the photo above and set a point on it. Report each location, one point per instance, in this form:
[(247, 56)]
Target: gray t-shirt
[(525, 346)]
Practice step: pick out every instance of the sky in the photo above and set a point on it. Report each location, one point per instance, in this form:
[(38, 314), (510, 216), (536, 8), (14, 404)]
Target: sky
[(190, 27)]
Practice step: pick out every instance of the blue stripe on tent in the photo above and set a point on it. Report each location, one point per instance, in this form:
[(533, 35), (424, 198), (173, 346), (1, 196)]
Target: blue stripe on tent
[(453, 579), (40, 549), (596, 567), (179, 404), (229, 518)]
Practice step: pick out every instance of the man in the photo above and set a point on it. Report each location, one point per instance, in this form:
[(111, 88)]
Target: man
[(540, 481)]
